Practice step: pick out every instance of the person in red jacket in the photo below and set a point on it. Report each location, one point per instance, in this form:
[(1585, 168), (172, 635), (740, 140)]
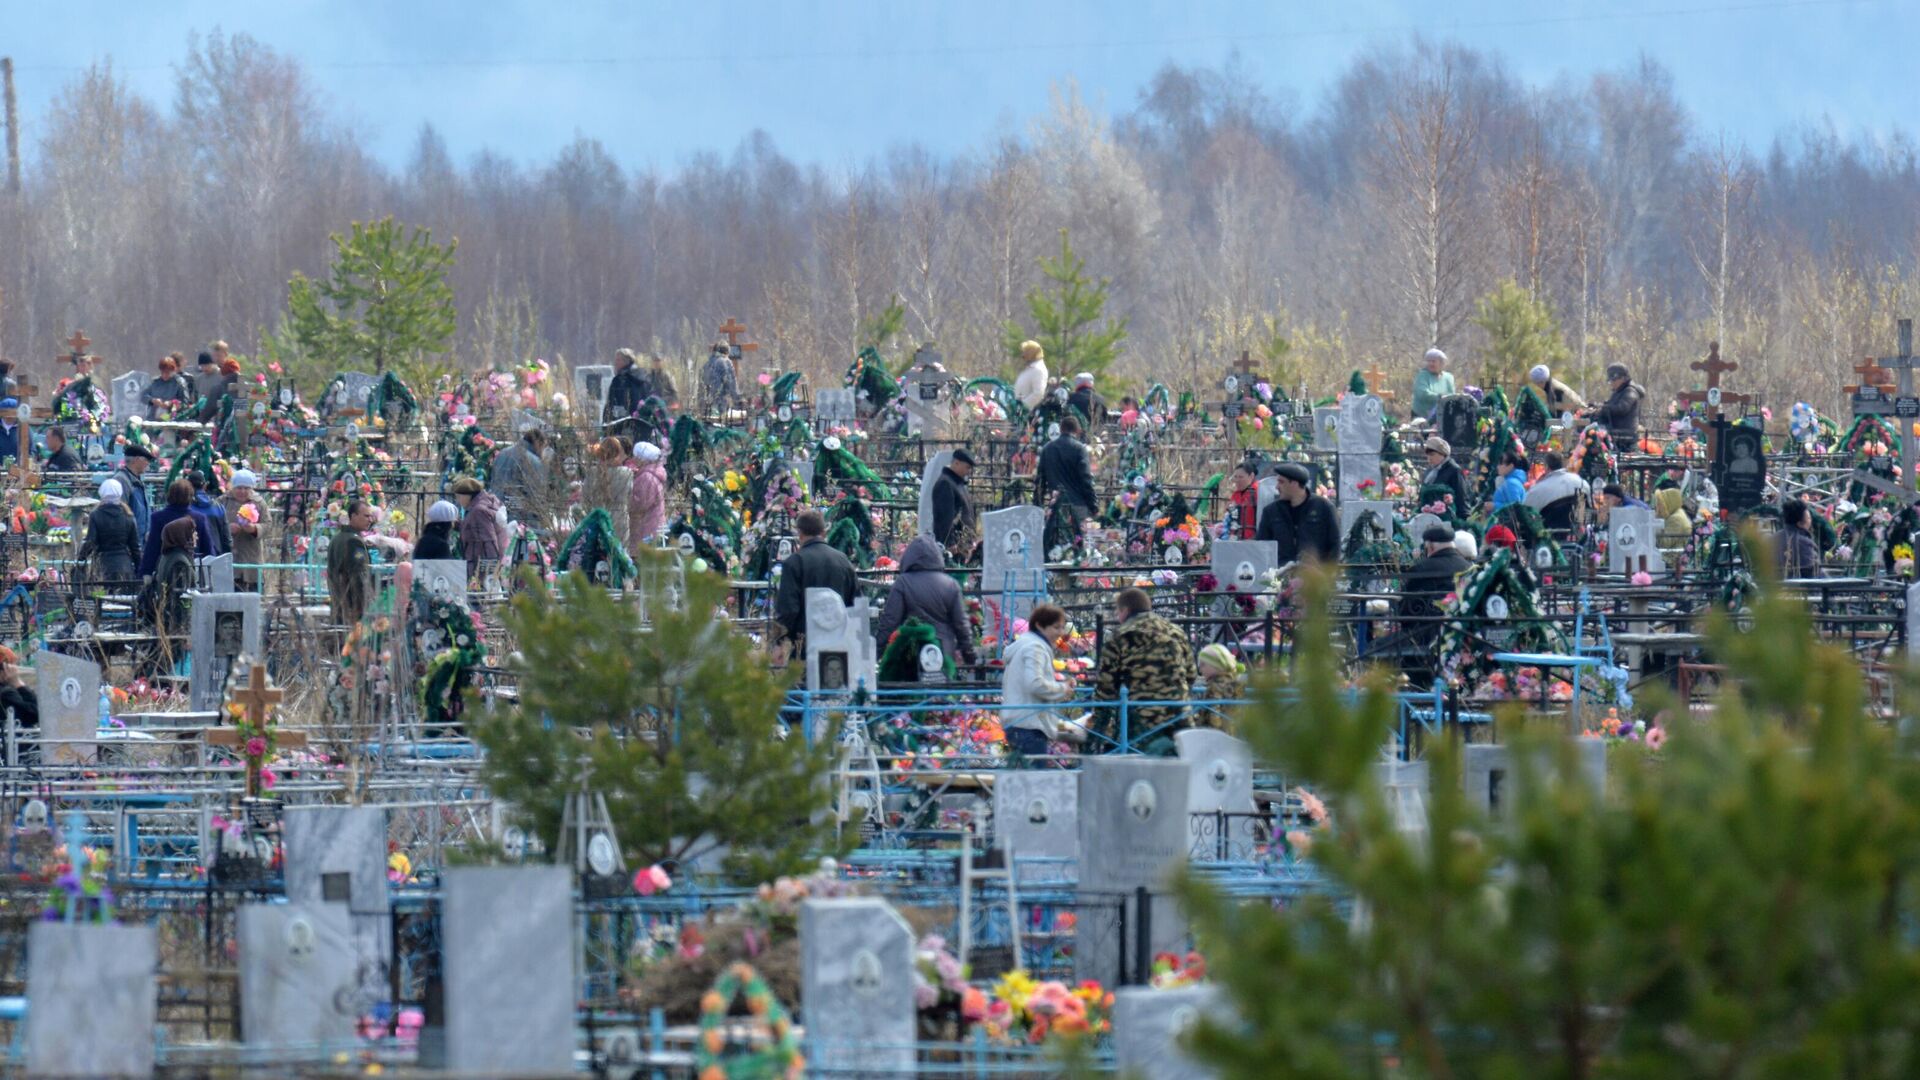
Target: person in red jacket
[(1244, 517)]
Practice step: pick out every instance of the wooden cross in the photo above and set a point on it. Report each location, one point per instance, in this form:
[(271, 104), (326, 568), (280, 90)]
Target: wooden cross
[(1713, 396), (1244, 365), (1871, 374), (1376, 379), (256, 699), (22, 473), (77, 344), (731, 330)]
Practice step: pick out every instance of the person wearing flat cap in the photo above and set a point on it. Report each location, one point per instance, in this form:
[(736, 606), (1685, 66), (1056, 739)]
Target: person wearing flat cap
[(1442, 472), (954, 526), (138, 459), (1302, 523), (1432, 575)]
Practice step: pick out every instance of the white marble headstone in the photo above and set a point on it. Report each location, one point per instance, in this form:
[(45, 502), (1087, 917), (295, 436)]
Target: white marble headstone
[(444, 578), (1134, 833), (297, 974), (1359, 437), (834, 405), (1243, 564), (68, 688), (93, 999), (1013, 557), (1036, 812), (1220, 771), (222, 628), (1633, 541), (1326, 424), (1490, 776), (856, 986), (128, 395), (930, 476), (925, 394), (1149, 1024), (1267, 490), (507, 969), (1418, 525), (840, 650), (216, 573), (592, 385)]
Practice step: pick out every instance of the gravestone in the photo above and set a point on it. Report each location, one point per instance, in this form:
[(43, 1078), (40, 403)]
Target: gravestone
[(128, 395), (1359, 436), (925, 393), (803, 472), (840, 649), (856, 986), (68, 688), (215, 573), (834, 406), (1489, 774), (298, 975), (1351, 510), (338, 854), (1418, 525), (1633, 541), (1219, 771), (507, 973), (592, 384), (1134, 833), (443, 578), (93, 999), (928, 478), (1459, 422), (224, 627), (1036, 812), (1742, 471), (356, 387), (1149, 1024), (1913, 620), (1326, 427), (1012, 561), (1242, 565)]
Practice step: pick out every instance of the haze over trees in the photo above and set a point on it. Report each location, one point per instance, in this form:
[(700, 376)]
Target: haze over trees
[(1353, 229)]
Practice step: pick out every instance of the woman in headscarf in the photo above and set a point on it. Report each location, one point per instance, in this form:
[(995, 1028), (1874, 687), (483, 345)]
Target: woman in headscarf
[(113, 540), (483, 532), (647, 504), (436, 540), (165, 599)]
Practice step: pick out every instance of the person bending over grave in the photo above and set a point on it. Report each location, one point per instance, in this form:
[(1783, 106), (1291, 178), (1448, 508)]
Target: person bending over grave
[(131, 473), (246, 518), (112, 547), (815, 564), (1431, 383), (1243, 501), (1152, 658), (1560, 397), (1225, 679), (647, 501), (1443, 472), (1030, 688), (923, 590), (179, 508), (1091, 406), (1620, 413), (1065, 469), (1302, 523), (954, 525), (1799, 553), (1612, 497), (483, 531), (349, 566), (164, 600), (216, 515), (1512, 487), (1030, 385), (436, 538)]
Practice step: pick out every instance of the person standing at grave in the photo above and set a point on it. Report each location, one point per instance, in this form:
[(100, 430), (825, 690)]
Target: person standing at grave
[(647, 501), (1243, 499), (718, 381), (1030, 385), (165, 395), (208, 386), (661, 382), (1084, 398), (61, 458), (1153, 660), (1431, 383), (922, 589), (1427, 583), (1799, 552), (1066, 471), (627, 392), (9, 430), (520, 471), (609, 485), (216, 515), (112, 547), (1442, 472), (813, 565), (133, 468), (350, 566), (1031, 687), (19, 699), (483, 529), (436, 538), (1303, 524), (246, 516), (1225, 679), (1560, 397), (179, 508), (1512, 487), (955, 527), (164, 599), (1620, 413)]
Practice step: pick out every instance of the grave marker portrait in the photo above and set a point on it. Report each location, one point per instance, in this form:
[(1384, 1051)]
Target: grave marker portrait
[(68, 688), (856, 986)]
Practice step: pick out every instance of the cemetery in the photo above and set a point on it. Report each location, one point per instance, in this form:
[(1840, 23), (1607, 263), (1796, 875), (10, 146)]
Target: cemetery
[(1052, 612)]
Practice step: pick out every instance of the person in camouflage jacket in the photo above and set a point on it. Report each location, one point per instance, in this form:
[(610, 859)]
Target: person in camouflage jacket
[(1151, 658)]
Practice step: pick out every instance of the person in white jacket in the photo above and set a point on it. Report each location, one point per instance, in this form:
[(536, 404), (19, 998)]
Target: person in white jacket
[(1030, 386), (1029, 687)]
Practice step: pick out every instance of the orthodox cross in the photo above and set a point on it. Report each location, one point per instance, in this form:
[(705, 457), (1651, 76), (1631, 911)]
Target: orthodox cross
[(256, 698), (1871, 374), (77, 344), (1902, 367), (1713, 396), (731, 330), (22, 473), (1376, 381), (1244, 365)]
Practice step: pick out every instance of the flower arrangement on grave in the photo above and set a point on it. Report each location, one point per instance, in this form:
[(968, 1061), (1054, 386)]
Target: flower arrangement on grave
[(1592, 458), (80, 891), (1025, 1010), (1529, 528), (767, 1049), (450, 645), (850, 530), (350, 478), (36, 518), (466, 451), (533, 374), (198, 457), (991, 400), (1871, 437), (257, 742), (835, 464), (391, 392), (870, 380), (947, 1003), (529, 547), (1811, 432), (81, 400), (594, 548), (1372, 541), (1172, 971), (1531, 417), (1465, 659)]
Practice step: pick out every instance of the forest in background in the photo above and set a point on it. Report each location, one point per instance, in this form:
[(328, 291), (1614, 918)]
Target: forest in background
[(1351, 231)]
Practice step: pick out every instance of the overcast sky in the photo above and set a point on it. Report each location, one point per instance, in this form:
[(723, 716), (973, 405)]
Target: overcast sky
[(836, 82)]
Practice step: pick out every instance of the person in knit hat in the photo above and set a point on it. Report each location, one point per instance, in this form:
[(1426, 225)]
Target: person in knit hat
[(1030, 386), (1225, 680)]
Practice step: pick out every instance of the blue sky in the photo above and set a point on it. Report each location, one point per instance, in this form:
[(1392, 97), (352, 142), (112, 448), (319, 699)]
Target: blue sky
[(834, 83)]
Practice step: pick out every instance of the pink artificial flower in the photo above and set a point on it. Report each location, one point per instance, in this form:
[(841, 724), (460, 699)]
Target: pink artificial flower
[(1656, 738), (267, 779), (1642, 578), (651, 880), (765, 378), (256, 746)]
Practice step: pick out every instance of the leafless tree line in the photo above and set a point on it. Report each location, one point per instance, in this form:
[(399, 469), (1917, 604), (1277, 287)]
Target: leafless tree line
[(1360, 230)]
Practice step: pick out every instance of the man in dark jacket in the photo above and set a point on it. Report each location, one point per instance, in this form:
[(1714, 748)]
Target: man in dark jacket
[(1302, 523), (1621, 411), (60, 457), (814, 565), (628, 390), (1443, 472), (954, 526), (134, 489), (1064, 468), (1432, 575), (1087, 400), (923, 590)]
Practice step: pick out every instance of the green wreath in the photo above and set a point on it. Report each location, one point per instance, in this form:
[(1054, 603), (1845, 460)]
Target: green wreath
[(392, 390), (869, 378), (900, 662), (1460, 660), (715, 1059), (449, 669), (595, 540), (197, 457)]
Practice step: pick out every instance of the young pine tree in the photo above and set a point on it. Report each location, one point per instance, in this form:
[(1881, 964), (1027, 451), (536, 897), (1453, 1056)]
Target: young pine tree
[(1067, 316), (1522, 333), (386, 302)]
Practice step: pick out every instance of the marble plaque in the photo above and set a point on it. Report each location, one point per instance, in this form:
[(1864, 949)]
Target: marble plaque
[(1243, 564), (128, 395), (1219, 771), (223, 628), (1633, 541), (298, 975), (68, 688), (506, 936), (840, 649), (92, 1000), (1036, 812), (443, 578), (1149, 1026), (337, 854), (856, 986), (1359, 438), (1013, 557)]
